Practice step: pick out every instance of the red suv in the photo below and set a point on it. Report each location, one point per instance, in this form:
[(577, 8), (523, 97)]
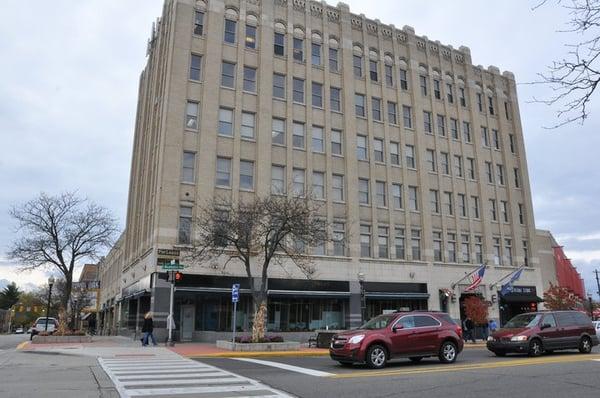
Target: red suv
[(537, 332), (413, 335)]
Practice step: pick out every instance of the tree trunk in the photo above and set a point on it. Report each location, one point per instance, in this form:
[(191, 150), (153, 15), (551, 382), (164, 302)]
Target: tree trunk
[(260, 318), (68, 288)]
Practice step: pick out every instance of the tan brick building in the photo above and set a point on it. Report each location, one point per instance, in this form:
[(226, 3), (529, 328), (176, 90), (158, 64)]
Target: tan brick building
[(416, 154)]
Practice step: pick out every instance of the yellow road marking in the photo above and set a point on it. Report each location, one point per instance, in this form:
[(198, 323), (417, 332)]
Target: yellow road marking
[(477, 366), (22, 345)]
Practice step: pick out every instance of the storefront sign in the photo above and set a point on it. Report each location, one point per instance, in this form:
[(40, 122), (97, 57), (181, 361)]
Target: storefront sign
[(168, 252)]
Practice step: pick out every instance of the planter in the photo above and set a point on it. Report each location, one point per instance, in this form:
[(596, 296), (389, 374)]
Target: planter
[(60, 339), (242, 347)]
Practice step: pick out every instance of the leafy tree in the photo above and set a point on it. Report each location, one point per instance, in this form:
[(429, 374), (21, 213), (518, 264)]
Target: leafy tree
[(9, 296), (57, 232), (560, 298), (256, 234), (476, 309)]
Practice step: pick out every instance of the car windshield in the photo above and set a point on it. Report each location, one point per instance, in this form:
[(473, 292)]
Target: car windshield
[(43, 322), (523, 321), (378, 322)]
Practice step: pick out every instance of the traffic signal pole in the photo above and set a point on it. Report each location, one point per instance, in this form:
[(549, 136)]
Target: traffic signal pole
[(170, 318)]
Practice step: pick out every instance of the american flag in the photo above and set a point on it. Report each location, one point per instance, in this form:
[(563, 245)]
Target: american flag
[(476, 278)]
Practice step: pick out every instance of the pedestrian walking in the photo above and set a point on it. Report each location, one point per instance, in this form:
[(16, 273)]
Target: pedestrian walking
[(468, 328), (147, 329), (493, 326)]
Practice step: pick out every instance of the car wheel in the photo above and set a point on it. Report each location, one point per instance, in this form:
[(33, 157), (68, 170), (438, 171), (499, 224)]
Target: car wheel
[(448, 352), (345, 364), (376, 356), (500, 353), (585, 345), (535, 348), (415, 359)]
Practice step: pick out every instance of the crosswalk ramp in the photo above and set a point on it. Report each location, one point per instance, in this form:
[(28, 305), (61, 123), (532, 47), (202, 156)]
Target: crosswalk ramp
[(177, 376)]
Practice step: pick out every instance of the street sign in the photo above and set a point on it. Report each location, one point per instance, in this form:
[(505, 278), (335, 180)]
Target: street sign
[(173, 265), (235, 293)]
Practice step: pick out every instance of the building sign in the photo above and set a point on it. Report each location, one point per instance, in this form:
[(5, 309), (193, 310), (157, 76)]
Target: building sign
[(86, 285), (168, 252), (527, 290)]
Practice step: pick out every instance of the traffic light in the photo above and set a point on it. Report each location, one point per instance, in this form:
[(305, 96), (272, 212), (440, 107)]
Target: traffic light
[(178, 276)]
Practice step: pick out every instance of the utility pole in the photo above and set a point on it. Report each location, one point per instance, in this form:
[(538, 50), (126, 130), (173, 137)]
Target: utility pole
[(597, 281)]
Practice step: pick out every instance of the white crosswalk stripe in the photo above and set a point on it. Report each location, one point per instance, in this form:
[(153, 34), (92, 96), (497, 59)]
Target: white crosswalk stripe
[(177, 376)]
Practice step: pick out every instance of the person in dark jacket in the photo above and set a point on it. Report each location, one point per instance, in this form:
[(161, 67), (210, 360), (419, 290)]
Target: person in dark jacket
[(469, 327), (147, 329)]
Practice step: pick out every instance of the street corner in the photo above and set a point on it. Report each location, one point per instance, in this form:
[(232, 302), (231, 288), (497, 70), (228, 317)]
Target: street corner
[(24, 346)]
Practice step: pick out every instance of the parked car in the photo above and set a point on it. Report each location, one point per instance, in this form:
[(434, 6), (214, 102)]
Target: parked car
[(40, 326), (597, 326), (19, 331), (414, 335), (537, 332)]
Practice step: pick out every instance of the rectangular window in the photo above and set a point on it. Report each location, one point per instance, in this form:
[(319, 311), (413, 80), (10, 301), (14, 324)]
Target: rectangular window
[(493, 214), (373, 71), (226, 122), (195, 67), (467, 131), (315, 54), (497, 255), (337, 187), (504, 210), (458, 168), (462, 204), (485, 137), (298, 135), (279, 44), (278, 131), (500, 174), (223, 172), (444, 163), (397, 196), (464, 248), (230, 28), (454, 128), (228, 75), (278, 185), (363, 191), (407, 115), (246, 174), (403, 79), (389, 79), (415, 244), (188, 167), (427, 122), (249, 79), (392, 112), (317, 95), (298, 94), (365, 241), (437, 246), (382, 242), (517, 178), (395, 153), (478, 249), (437, 93), (378, 150), (507, 110), (448, 205), (508, 251), (441, 125), (298, 179), (298, 49), (191, 115), (489, 173), (491, 105), (449, 93), (359, 105), (496, 139), (250, 36), (357, 66), (278, 86), (376, 108), (430, 158), (248, 125), (185, 225), (380, 194), (463, 100), (333, 60), (521, 214), (434, 201), (526, 252), (318, 141), (471, 168), (336, 142), (409, 152), (475, 206), (413, 200), (423, 82), (479, 102), (335, 100), (199, 23), (511, 140), (451, 247), (361, 147), (399, 243), (339, 239)]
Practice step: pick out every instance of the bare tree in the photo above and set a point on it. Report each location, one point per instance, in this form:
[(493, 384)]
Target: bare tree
[(274, 229), (574, 78), (56, 232)]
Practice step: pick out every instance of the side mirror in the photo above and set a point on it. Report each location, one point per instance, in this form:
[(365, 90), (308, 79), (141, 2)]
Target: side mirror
[(545, 326), (396, 328)]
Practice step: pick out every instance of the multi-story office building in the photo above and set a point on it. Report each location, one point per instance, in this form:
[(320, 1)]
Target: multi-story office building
[(416, 155)]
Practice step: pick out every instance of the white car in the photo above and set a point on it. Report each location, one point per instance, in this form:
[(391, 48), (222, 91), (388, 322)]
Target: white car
[(597, 325), (19, 331), (40, 326)]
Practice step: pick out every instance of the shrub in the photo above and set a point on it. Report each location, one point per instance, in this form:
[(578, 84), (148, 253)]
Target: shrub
[(266, 339)]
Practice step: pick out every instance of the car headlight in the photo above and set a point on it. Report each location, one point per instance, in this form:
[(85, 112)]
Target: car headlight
[(518, 338), (490, 338), (356, 339)]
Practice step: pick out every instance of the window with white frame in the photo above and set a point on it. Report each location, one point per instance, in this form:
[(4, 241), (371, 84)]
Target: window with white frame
[(278, 180), (337, 187), (250, 40), (493, 214), (454, 128), (223, 172), (380, 193), (298, 90), (427, 125), (397, 196), (188, 167), (504, 210), (378, 150), (434, 200), (317, 95), (318, 142), (196, 67), (185, 225), (298, 135), (392, 112), (298, 179), (451, 246), (365, 240), (278, 86), (458, 167), (226, 122), (403, 79), (475, 206), (376, 108), (409, 152), (246, 174), (400, 243), (228, 74), (230, 29), (478, 249), (279, 44), (448, 205), (415, 243), (336, 142), (359, 105), (248, 125), (382, 242), (467, 131), (298, 44), (395, 153), (361, 147), (444, 163), (441, 125), (465, 248), (413, 200), (198, 23), (249, 79), (315, 54), (497, 251), (363, 191), (462, 204), (333, 60), (278, 131), (191, 115), (407, 116), (335, 99), (339, 239), (318, 185), (437, 246)]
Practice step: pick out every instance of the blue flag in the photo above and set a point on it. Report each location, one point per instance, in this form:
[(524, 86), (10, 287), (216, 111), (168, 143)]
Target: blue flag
[(508, 287)]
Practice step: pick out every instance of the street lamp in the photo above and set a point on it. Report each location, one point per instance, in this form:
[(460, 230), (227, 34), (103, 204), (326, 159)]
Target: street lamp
[(50, 283), (363, 299)]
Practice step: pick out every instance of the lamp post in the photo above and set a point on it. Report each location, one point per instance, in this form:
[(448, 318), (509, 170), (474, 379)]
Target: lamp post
[(363, 299), (50, 283)]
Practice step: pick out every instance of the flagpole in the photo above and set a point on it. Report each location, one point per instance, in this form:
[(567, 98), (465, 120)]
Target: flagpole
[(467, 275), (507, 276)]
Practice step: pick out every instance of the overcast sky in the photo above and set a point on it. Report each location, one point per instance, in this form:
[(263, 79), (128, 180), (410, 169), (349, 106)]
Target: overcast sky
[(69, 83)]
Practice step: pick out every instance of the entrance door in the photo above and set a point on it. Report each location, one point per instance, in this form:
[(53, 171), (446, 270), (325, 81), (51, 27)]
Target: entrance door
[(187, 322)]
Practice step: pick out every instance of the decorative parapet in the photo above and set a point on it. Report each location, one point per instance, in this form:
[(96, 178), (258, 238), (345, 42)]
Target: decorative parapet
[(299, 5), (316, 9)]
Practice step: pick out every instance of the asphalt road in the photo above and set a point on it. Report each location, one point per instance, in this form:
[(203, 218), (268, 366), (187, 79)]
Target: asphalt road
[(10, 341), (477, 373)]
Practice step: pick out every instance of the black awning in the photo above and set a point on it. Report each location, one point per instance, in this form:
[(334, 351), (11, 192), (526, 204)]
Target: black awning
[(521, 298)]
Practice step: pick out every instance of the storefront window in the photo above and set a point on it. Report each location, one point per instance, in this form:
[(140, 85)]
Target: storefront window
[(300, 315)]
